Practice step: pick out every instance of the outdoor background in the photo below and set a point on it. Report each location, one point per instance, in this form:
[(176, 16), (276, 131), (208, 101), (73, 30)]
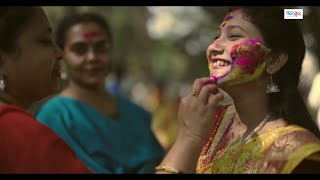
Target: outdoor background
[(159, 51)]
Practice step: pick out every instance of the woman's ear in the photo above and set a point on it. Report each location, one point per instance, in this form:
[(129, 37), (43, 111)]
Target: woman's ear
[(276, 63)]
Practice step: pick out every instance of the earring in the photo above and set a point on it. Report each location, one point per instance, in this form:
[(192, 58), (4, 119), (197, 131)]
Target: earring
[(2, 83), (272, 87)]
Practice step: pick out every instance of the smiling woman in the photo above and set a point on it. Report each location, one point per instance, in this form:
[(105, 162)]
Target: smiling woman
[(256, 58), (107, 131)]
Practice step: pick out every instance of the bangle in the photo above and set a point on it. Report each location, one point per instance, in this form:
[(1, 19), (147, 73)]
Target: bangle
[(168, 168)]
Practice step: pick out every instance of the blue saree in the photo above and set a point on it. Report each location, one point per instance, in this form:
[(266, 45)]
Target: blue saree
[(105, 145)]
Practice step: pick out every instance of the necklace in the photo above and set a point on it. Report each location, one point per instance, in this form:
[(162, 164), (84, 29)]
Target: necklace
[(258, 128)]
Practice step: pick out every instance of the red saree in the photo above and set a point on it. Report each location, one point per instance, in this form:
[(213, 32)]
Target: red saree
[(27, 146)]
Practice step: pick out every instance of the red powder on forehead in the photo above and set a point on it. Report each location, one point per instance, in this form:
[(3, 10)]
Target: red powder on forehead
[(90, 35), (228, 17)]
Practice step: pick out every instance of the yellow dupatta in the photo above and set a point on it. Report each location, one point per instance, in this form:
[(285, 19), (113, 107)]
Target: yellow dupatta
[(277, 151)]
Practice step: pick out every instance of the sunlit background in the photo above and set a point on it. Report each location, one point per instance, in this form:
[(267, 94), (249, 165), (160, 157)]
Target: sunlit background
[(159, 51)]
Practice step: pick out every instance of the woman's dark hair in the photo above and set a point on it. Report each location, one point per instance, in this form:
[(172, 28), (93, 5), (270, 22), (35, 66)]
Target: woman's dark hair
[(73, 19), (284, 36), (12, 21)]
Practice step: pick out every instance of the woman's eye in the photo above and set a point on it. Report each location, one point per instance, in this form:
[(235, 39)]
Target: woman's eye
[(234, 36), (80, 49), (216, 37), (102, 48)]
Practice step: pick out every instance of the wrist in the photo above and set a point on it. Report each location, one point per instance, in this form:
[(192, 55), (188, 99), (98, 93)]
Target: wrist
[(191, 138), (182, 156), (167, 169)]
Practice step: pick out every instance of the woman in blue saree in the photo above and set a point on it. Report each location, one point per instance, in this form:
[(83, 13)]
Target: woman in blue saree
[(109, 133)]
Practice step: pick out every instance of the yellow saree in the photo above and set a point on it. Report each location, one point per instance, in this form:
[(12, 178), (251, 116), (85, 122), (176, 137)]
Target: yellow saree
[(277, 151)]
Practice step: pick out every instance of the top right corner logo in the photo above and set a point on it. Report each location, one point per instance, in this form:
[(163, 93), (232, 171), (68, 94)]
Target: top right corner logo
[(293, 13)]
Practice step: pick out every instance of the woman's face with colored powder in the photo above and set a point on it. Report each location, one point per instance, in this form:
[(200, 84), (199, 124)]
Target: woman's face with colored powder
[(237, 55)]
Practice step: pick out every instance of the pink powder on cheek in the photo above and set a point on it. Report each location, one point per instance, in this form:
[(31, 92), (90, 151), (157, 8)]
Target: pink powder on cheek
[(253, 48), (91, 35), (245, 61), (245, 58), (249, 55)]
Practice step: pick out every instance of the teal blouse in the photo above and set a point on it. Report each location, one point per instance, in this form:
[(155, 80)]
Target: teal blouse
[(105, 145)]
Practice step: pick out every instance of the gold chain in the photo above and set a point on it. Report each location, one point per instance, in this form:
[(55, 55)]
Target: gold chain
[(258, 128)]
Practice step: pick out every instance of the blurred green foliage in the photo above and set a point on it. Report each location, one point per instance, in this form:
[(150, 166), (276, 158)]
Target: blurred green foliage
[(150, 60), (180, 54)]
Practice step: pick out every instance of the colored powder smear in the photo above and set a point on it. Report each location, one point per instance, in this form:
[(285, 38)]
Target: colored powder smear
[(248, 63), (226, 19)]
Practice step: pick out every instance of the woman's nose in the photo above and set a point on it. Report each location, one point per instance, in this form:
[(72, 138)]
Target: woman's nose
[(91, 54), (216, 48)]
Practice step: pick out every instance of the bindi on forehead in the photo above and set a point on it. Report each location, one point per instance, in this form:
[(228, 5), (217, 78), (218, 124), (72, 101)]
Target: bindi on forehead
[(91, 35)]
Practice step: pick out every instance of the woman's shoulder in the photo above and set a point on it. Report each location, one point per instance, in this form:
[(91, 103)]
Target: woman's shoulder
[(292, 144), (307, 152), (54, 108), (294, 137), (56, 101), (33, 147), (11, 112), (53, 104), (298, 134), (15, 122)]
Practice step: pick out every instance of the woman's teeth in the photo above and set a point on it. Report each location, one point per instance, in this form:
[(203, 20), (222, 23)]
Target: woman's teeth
[(220, 63)]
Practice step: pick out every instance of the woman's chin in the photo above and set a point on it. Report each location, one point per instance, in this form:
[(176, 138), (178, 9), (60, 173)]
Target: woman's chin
[(220, 74)]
